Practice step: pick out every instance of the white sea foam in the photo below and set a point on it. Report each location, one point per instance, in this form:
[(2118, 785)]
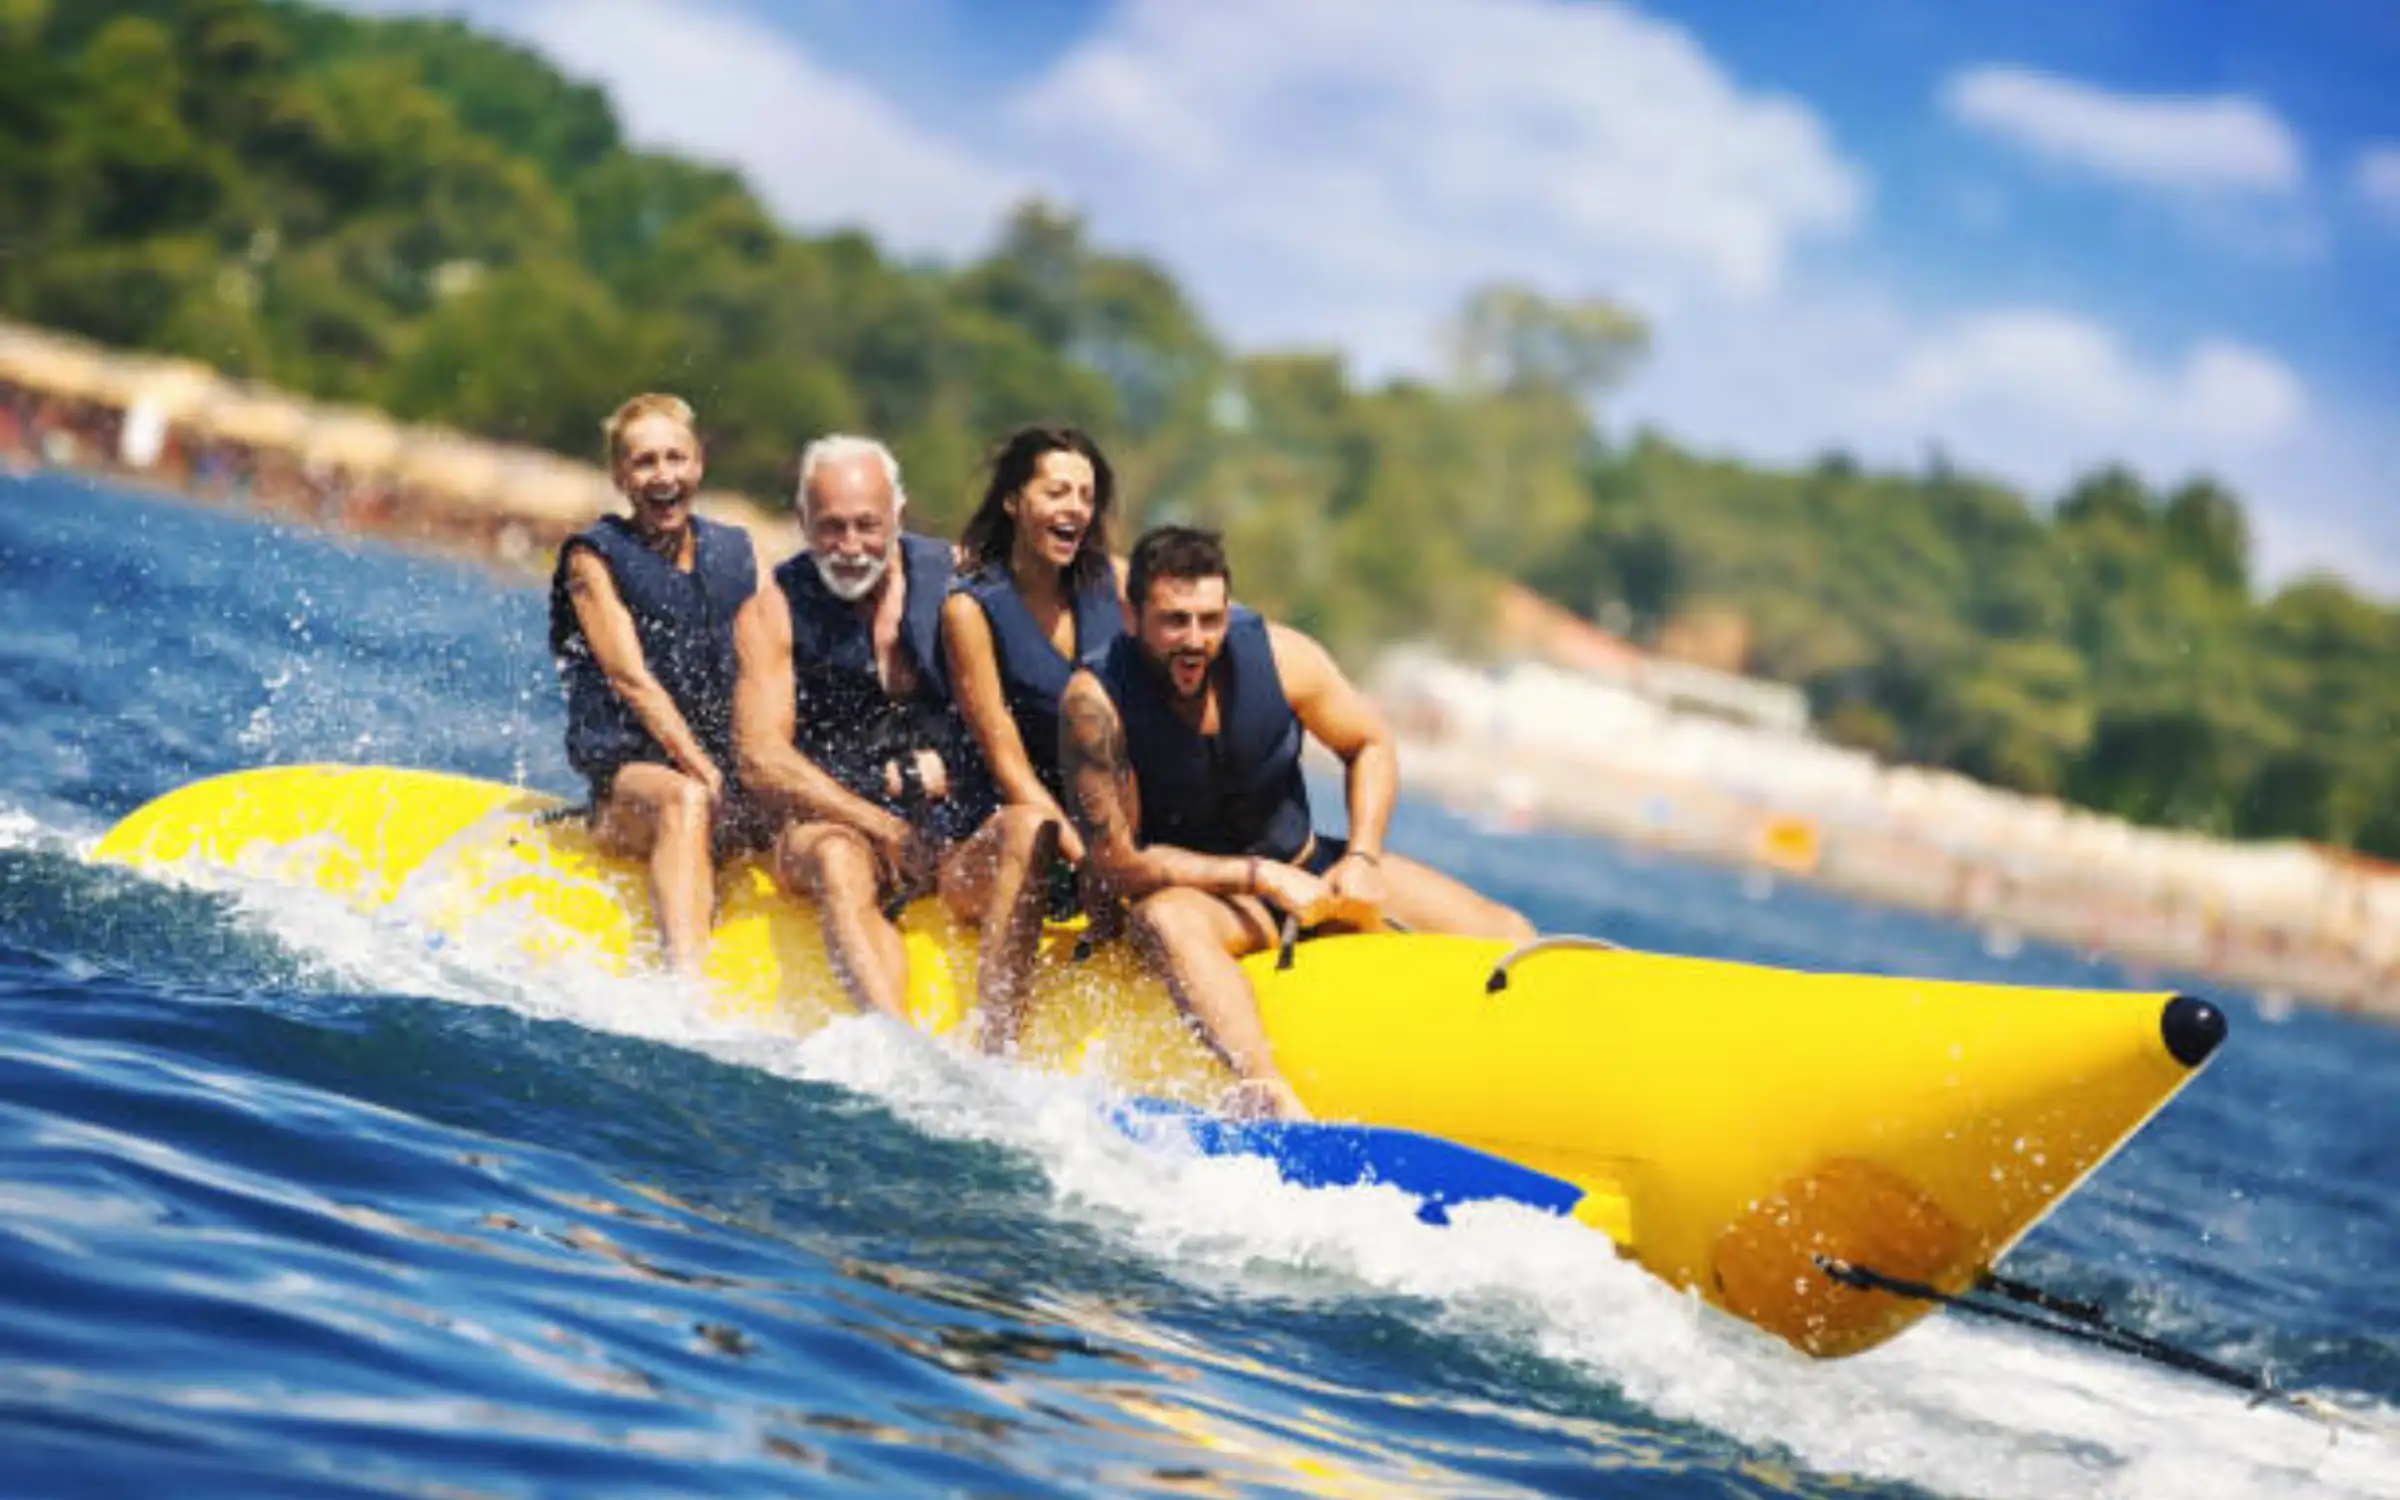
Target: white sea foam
[(1952, 1406), (21, 830)]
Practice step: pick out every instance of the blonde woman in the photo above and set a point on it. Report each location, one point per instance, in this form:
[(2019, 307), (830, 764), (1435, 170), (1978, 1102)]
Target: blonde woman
[(641, 621)]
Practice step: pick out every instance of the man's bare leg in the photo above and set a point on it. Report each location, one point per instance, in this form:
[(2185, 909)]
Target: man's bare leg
[(1193, 940), (1427, 900), (834, 867), (657, 813), (992, 880)]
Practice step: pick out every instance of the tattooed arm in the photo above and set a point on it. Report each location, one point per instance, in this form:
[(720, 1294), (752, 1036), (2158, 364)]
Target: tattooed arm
[(1106, 806)]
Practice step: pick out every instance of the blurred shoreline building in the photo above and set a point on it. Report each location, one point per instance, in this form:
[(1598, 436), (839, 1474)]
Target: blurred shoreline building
[(1569, 725)]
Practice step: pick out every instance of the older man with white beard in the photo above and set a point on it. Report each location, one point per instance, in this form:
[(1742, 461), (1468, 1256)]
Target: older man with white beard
[(847, 737)]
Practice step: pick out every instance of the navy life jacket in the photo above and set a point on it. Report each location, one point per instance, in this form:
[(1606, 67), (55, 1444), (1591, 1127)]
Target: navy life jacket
[(684, 622), (1238, 791), (1033, 675), (845, 722)]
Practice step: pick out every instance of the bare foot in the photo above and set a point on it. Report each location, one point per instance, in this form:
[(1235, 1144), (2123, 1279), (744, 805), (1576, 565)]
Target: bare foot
[(1262, 1099)]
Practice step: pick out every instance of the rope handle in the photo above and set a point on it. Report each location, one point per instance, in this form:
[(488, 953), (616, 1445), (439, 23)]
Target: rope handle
[(1562, 942), (1287, 940)]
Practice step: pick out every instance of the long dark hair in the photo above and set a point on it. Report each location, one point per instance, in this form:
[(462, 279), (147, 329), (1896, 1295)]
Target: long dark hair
[(991, 534)]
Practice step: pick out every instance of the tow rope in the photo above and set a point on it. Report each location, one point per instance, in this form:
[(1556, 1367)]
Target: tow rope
[(2029, 1306)]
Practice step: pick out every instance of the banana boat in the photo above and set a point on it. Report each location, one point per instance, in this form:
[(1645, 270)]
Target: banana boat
[(1747, 1133)]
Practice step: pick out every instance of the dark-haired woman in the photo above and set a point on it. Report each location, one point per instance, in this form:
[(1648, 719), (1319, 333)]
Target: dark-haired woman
[(1040, 596)]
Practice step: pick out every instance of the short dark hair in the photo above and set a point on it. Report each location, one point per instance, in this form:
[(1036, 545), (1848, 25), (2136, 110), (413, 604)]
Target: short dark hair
[(1175, 552)]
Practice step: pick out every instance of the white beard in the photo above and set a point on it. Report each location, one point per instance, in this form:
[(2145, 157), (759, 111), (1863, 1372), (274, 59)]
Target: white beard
[(851, 588)]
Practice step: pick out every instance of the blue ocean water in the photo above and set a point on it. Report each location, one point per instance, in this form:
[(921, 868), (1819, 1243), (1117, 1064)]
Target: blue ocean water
[(289, 1205)]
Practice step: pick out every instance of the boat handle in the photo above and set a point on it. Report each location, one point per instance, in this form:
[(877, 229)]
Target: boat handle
[(1556, 942), (1288, 938)]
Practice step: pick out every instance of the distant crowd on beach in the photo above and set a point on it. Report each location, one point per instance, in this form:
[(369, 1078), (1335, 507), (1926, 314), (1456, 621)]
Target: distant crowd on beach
[(39, 429), (179, 426)]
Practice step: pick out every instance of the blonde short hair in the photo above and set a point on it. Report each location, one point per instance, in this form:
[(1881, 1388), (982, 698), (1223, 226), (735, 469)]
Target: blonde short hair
[(647, 404)]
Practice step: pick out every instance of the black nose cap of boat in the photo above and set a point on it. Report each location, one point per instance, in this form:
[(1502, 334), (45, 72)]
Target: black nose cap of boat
[(2192, 1028)]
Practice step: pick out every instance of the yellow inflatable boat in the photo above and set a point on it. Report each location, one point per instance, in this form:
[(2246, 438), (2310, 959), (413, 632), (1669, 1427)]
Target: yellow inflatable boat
[(1738, 1130)]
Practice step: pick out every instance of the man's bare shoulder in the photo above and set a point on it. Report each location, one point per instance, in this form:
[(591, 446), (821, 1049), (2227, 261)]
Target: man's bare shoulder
[(765, 618), (1305, 666)]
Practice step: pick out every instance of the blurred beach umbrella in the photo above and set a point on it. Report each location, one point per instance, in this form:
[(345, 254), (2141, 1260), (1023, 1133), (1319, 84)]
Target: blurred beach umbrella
[(256, 416), (174, 388), (536, 487), (459, 472), (347, 437), (52, 365)]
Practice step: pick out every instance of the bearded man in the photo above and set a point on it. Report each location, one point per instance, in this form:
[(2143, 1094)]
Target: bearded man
[(848, 739), (1181, 759)]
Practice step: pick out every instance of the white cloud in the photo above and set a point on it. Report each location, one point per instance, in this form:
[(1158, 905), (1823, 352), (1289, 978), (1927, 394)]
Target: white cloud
[(1343, 170), (2073, 376), (2225, 142), (2034, 397), (2377, 178), (823, 151)]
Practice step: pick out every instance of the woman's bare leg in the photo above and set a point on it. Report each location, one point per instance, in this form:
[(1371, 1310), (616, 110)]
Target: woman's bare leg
[(658, 814)]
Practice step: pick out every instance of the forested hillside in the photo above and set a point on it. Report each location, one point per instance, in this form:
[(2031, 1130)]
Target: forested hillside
[(411, 215)]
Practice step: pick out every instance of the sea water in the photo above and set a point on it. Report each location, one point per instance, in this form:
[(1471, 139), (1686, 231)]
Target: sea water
[(291, 1204)]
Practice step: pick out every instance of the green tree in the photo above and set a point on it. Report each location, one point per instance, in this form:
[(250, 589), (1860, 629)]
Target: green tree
[(2109, 499), (1509, 337), (1120, 318), (139, 169), (123, 293), (2205, 528), (2016, 713), (629, 202), (534, 354)]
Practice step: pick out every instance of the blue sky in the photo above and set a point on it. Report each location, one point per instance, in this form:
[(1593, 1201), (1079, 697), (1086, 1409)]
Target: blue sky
[(2035, 236)]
